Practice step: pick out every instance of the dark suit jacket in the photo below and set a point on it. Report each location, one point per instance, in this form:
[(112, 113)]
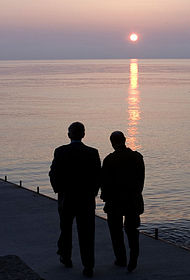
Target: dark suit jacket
[(75, 171), (123, 175)]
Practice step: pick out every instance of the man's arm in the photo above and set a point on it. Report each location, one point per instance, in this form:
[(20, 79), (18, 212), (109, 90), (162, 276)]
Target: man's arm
[(140, 171), (53, 173), (97, 172), (105, 181)]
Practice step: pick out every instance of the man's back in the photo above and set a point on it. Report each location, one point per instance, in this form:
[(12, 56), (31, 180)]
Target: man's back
[(123, 180), (75, 169), (125, 169)]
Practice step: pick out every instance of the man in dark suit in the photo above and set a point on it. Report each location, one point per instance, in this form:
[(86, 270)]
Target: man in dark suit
[(123, 175), (74, 175)]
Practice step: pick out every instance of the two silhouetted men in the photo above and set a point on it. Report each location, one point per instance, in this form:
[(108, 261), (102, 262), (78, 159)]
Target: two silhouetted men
[(75, 176)]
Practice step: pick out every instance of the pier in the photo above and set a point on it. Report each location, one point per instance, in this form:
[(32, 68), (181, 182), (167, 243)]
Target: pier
[(30, 229)]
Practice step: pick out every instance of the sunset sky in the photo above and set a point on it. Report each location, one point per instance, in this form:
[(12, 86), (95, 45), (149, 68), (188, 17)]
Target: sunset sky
[(74, 29)]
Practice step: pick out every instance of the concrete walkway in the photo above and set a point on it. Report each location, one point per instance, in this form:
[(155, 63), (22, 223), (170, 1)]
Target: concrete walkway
[(30, 228)]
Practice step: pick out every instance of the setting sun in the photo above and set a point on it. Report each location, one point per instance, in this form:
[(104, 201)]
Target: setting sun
[(133, 37)]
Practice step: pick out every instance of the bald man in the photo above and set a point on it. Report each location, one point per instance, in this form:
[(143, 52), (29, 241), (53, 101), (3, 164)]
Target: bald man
[(123, 174)]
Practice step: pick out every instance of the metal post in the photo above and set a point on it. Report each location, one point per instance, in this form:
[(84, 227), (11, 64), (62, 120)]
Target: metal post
[(5, 178), (38, 190), (156, 233), (20, 183)]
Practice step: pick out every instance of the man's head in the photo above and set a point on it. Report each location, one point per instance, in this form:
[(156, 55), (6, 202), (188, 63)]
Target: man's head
[(117, 139), (76, 131)]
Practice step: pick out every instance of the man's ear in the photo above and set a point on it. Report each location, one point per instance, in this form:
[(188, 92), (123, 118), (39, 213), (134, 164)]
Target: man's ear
[(69, 135)]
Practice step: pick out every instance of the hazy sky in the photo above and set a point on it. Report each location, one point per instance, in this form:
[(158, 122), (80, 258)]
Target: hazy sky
[(53, 29)]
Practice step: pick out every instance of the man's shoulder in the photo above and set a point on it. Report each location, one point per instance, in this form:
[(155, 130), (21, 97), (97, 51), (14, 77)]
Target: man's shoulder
[(138, 155), (125, 153), (90, 149), (71, 146), (61, 148), (109, 157)]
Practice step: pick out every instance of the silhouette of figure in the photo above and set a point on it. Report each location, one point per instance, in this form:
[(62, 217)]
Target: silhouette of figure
[(123, 175), (74, 175)]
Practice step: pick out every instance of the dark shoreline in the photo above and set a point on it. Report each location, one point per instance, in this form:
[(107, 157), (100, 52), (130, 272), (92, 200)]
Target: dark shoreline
[(144, 229)]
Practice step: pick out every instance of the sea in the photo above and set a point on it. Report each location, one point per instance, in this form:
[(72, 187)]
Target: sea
[(149, 100)]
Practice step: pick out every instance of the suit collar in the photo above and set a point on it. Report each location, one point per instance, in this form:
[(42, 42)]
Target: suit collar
[(76, 141)]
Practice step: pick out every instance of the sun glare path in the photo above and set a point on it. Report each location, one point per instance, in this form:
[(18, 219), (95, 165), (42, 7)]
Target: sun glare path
[(133, 37), (134, 112)]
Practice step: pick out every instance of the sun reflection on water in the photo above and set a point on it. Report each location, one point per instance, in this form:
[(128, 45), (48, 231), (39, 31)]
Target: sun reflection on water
[(133, 102)]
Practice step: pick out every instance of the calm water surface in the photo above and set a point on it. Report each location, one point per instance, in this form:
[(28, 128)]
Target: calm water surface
[(149, 100)]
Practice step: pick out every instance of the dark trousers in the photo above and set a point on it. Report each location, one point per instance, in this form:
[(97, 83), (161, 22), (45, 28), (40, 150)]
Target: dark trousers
[(130, 225), (85, 219)]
